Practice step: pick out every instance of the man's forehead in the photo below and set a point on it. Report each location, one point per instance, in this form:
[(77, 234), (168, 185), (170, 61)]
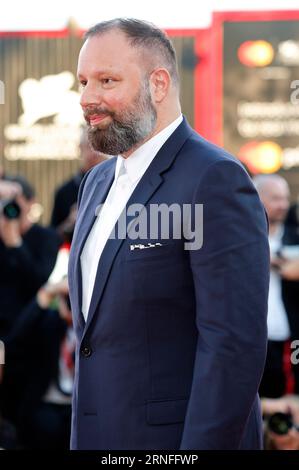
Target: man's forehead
[(107, 51), (108, 41)]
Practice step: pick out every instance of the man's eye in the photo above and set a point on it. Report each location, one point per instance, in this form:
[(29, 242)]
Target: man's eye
[(83, 83), (107, 81)]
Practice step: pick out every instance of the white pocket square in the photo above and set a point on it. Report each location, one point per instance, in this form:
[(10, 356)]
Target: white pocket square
[(145, 246)]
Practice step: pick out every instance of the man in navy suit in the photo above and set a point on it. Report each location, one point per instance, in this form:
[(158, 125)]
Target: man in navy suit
[(170, 317)]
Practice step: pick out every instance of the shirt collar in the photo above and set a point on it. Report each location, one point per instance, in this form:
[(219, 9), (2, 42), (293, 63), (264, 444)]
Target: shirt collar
[(137, 163)]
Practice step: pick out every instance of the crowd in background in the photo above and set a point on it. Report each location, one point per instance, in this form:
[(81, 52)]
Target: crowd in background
[(281, 374), (36, 325), (35, 315)]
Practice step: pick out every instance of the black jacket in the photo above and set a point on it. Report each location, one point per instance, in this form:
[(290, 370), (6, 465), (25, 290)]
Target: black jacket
[(23, 271), (32, 359), (65, 197)]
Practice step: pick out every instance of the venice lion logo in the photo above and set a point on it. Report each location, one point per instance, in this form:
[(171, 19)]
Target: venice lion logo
[(50, 96)]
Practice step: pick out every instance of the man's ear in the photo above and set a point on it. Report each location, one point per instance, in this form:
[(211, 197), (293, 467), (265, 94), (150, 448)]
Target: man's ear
[(159, 84)]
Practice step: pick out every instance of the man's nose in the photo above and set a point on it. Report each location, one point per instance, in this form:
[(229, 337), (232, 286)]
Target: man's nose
[(90, 95)]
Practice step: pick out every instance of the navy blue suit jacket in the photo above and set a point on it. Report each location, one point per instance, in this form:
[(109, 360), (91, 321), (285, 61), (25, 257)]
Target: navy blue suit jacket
[(173, 350)]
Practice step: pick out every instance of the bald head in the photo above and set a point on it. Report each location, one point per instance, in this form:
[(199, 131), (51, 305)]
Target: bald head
[(274, 193), (127, 71)]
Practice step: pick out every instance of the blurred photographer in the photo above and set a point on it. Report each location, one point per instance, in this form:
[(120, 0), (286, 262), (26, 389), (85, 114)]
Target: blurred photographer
[(281, 423), (65, 200), (27, 250), (283, 300), (44, 331), (9, 190), (27, 256)]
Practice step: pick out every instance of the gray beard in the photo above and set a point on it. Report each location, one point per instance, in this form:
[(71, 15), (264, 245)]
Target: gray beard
[(125, 133)]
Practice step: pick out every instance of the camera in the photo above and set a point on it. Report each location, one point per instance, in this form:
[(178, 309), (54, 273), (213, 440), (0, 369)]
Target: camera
[(281, 423), (11, 209)]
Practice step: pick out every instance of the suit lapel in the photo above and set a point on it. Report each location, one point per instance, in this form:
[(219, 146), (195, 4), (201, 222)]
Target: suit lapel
[(84, 224), (146, 187), (113, 245)]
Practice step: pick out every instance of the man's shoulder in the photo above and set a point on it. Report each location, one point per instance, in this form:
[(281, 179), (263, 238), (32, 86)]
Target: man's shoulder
[(92, 176), (101, 168), (95, 173), (199, 156), (205, 152)]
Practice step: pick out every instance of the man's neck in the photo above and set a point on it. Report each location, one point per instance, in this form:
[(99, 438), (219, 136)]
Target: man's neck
[(159, 127)]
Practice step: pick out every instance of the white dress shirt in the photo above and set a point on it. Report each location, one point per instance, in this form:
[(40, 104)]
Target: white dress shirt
[(128, 173), (278, 324)]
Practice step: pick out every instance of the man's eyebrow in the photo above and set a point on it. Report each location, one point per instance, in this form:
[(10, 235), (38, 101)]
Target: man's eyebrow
[(97, 73)]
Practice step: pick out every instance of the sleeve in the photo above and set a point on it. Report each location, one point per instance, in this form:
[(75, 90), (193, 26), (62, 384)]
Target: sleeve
[(231, 276)]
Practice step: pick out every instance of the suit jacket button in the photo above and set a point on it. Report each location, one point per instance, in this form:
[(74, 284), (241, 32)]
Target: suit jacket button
[(86, 351)]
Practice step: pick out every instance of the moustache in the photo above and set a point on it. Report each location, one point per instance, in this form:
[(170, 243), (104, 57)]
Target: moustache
[(93, 111)]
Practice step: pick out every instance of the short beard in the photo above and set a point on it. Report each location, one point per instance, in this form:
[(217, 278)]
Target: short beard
[(128, 128)]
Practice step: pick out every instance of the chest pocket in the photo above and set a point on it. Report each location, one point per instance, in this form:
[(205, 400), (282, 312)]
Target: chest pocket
[(151, 251), (157, 274)]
